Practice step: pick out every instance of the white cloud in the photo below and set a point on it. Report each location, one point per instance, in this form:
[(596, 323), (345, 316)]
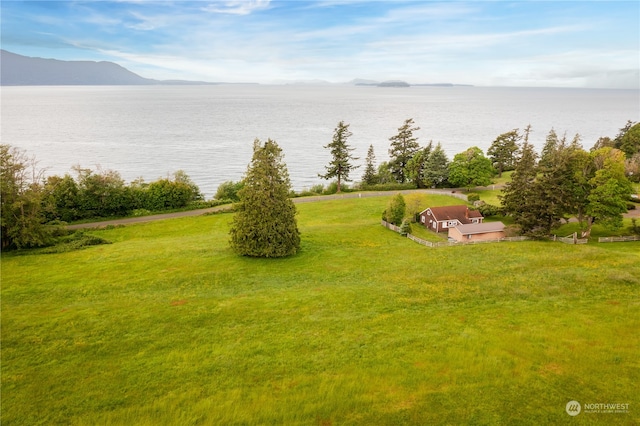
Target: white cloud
[(237, 7)]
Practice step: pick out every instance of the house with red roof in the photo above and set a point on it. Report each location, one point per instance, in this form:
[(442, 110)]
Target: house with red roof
[(440, 219)]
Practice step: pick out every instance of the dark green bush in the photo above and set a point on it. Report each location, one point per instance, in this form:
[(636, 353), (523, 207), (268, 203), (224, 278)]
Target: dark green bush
[(405, 228), (392, 186), (74, 241), (473, 197), (229, 190), (490, 210)]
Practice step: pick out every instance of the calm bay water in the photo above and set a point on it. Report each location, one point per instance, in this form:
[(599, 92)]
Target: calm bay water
[(208, 131)]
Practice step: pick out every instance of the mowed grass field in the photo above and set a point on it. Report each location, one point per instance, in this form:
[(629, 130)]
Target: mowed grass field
[(168, 326)]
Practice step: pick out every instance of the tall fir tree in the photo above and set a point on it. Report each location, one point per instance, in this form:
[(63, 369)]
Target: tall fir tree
[(416, 166), (436, 168), (370, 176), (341, 163), (519, 196), (265, 221), (403, 147), (551, 145), (503, 151)]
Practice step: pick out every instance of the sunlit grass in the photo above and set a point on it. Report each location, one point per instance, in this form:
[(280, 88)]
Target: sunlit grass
[(167, 326)]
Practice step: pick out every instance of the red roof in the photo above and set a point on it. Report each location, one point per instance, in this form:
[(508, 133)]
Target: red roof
[(462, 213)]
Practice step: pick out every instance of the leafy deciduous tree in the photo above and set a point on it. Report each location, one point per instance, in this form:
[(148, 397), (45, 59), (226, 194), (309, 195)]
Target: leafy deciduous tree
[(470, 168), (265, 224), (396, 210), (21, 218)]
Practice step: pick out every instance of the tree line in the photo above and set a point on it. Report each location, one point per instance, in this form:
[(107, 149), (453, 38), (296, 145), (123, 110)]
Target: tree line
[(429, 166), (30, 202), (563, 179)]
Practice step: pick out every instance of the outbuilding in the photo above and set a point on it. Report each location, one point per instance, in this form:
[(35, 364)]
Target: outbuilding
[(486, 231)]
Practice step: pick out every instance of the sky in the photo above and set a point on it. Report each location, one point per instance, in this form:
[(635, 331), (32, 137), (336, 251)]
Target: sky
[(485, 43)]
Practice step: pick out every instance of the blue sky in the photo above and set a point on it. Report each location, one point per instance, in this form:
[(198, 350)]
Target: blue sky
[(489, 43)]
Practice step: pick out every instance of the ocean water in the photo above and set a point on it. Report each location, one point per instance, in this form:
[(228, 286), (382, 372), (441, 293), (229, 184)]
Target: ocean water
[(208, 131)]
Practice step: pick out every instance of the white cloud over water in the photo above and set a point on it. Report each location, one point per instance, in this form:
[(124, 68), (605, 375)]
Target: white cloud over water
[(574, 44)]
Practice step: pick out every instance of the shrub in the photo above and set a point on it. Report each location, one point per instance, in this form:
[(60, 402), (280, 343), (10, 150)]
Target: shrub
[(473, 197), (405, 228), (229, 191), (395, 210), (332, 188), (140, 212), (317, 189), (74, 241), (391, 186), (489, 210)]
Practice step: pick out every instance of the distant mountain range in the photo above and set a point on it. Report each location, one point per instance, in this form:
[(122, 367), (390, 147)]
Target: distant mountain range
[(18, 70)]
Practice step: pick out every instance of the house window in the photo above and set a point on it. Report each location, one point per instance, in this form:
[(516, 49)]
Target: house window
[(452, 223), (423, 219)]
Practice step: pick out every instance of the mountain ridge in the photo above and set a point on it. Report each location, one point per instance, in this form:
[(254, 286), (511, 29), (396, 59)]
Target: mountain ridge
[(19, 70)]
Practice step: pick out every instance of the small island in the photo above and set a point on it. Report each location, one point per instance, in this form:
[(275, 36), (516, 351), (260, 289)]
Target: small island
[(394, 83)]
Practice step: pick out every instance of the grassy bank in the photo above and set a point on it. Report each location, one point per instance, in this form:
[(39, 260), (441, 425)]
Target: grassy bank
[(168, 326)]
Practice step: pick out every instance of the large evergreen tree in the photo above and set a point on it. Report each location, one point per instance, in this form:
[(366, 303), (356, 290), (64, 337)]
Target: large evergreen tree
[(571, 183), (436, 168), (403, 147), (519, 197), (503, 151), (628, 140), (416, 166), (265, 224), (341, 163)]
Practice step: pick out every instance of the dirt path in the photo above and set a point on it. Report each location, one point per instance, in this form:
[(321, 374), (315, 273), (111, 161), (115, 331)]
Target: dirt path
[(129, 220), (200, 212)]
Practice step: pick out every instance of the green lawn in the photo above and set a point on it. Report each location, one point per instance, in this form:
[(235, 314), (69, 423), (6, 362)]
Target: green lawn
[(167, 326)]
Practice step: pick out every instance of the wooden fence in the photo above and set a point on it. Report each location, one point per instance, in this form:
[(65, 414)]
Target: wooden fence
[(571, 239), (618, 239), (390, 226)]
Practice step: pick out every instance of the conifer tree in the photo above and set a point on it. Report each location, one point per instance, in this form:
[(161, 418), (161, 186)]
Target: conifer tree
[(503, 151), (403, 148), (416, 166), (341, 164), (519, 197), (370, 176), (436, 168), (265, 224)]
